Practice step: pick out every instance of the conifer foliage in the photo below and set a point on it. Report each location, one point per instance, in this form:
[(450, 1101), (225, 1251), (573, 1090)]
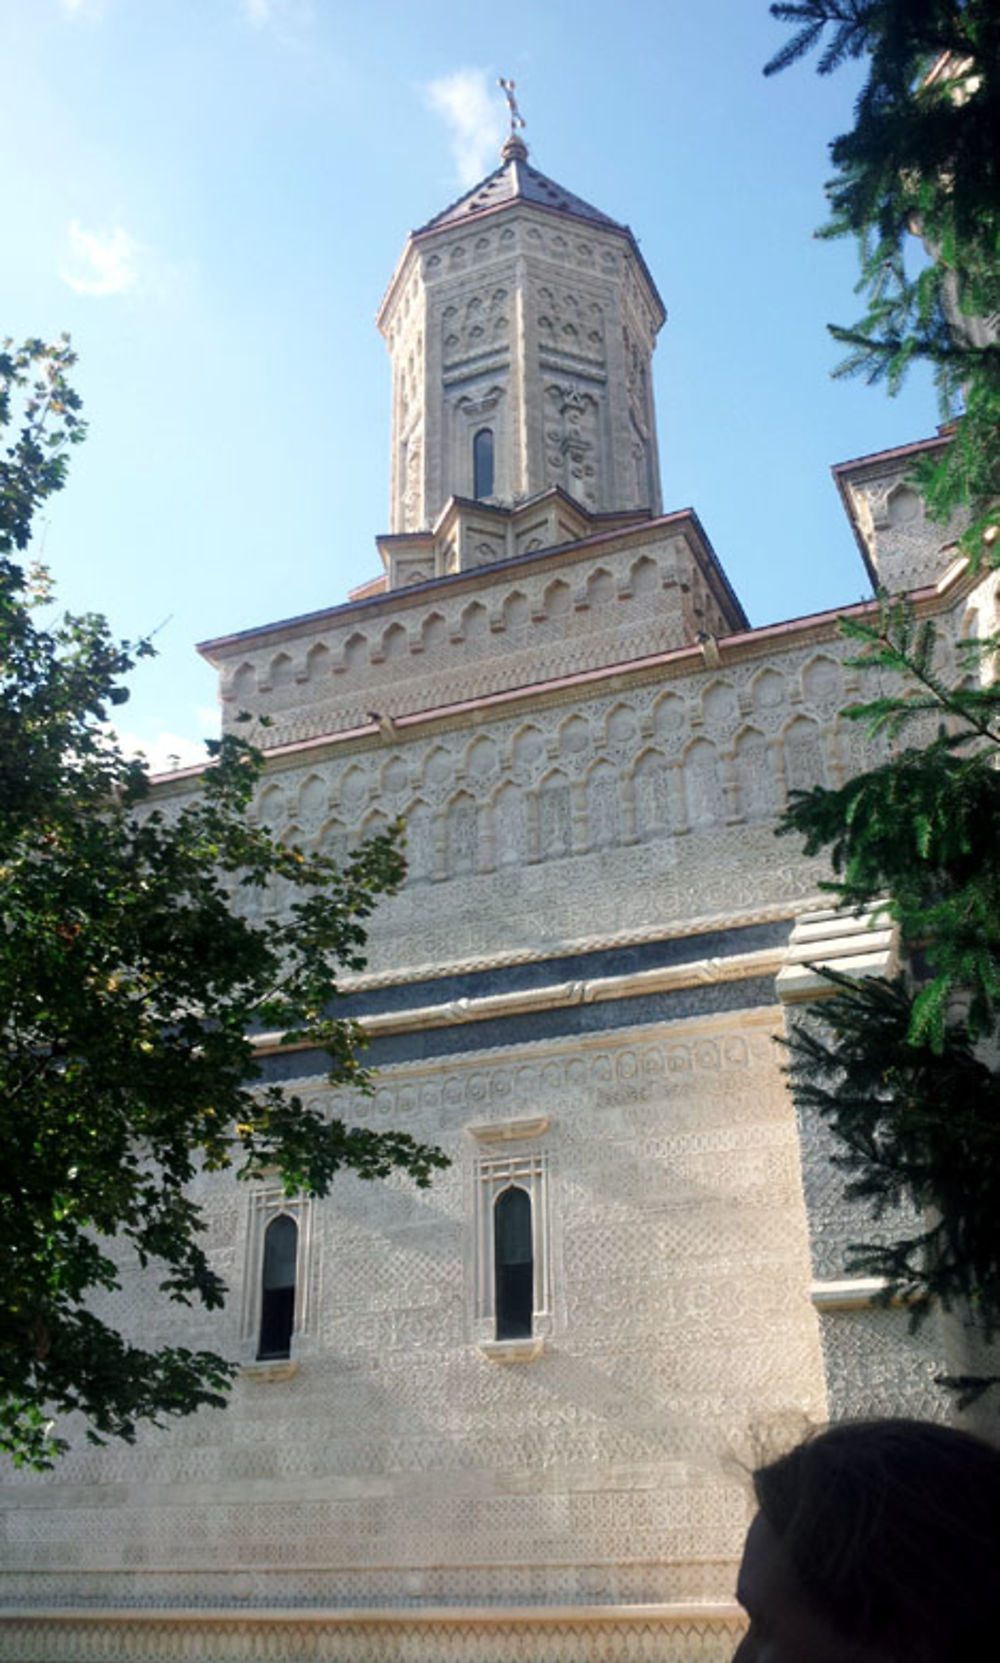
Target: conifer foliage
[(129, 983), (905, 1070), (922, 161)]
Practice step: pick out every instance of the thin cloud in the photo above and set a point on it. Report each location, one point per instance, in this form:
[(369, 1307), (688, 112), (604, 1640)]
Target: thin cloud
[(473, 111), (103, 262), (284, 17), (92, 9), (209, 717), (164, 752)]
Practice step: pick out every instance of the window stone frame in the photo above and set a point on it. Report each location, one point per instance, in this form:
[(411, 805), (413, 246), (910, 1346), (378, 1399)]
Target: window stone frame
[(266, 1203), (526, 1166)]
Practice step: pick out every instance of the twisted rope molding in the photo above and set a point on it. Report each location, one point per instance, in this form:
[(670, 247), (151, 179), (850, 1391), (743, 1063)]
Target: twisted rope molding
[(772, 912)]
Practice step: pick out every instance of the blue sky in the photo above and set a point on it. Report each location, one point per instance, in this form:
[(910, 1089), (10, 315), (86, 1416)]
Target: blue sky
[(211, 196)]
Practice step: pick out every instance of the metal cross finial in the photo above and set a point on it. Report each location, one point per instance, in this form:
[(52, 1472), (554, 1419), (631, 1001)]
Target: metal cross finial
[(516, 118)]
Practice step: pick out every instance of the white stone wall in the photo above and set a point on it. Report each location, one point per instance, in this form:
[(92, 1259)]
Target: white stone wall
[(466, 1507), (403, 1485), (408, 432), (399, 1464)]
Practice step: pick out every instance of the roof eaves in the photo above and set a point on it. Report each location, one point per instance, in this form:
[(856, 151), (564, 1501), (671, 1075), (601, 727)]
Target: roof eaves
[(612, 225), (895, 454), (222, 643)]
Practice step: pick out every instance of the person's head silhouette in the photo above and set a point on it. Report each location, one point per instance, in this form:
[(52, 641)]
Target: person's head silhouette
[(875, 1542)]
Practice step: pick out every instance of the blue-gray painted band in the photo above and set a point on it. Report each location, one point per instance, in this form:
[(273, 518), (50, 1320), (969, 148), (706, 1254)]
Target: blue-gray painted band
[(426, 1044), (569, 967)]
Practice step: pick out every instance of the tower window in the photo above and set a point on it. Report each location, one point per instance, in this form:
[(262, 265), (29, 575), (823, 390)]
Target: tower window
[(277, 1304), (482, 463), (513, 1263)]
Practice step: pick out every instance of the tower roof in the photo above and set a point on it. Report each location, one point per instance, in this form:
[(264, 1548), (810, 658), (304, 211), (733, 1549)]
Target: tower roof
[(515, 180)]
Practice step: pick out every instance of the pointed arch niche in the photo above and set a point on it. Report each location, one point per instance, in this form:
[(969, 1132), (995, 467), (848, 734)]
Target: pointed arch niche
[(277, 1271), (482, 463), (277, 1288), (512, 1232), (513, 1263)]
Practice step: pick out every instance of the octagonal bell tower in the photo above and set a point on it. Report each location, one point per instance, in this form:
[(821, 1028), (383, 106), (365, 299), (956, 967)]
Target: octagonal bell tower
[(521, 324)]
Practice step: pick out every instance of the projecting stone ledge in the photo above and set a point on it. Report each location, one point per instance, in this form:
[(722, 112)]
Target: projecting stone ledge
[(861, 943)]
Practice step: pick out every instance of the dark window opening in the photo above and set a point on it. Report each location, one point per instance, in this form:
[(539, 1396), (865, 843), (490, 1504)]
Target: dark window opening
[(277, 1304), (482, 463), (514, 1264)]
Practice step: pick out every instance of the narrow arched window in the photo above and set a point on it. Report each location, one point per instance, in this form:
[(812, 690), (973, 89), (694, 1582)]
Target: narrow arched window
[(513, 1264), (482, 463), (277, 1300)]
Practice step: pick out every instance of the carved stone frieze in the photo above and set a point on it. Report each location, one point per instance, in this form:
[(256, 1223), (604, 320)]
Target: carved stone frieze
[(665, 786), (570, 325), (475, 324), (627, 603), (906, 548), (572, 440), (654, 1635)]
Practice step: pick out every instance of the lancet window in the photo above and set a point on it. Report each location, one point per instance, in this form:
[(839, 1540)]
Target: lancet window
[(277, 1299), (513, 1264), (482, 463), (513, 1276)]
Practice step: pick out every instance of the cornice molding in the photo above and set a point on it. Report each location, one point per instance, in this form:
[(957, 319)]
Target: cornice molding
[(452, 1013), (766, 1018), (706, 923)]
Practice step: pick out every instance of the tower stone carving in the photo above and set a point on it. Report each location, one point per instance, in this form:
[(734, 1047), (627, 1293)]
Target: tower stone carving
[(521, 321)]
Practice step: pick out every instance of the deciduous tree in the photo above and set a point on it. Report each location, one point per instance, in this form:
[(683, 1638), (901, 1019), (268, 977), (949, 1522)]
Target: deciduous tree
[(131, 981)]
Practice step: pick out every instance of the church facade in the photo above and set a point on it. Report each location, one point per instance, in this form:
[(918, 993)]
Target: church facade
[(509, 1417)]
